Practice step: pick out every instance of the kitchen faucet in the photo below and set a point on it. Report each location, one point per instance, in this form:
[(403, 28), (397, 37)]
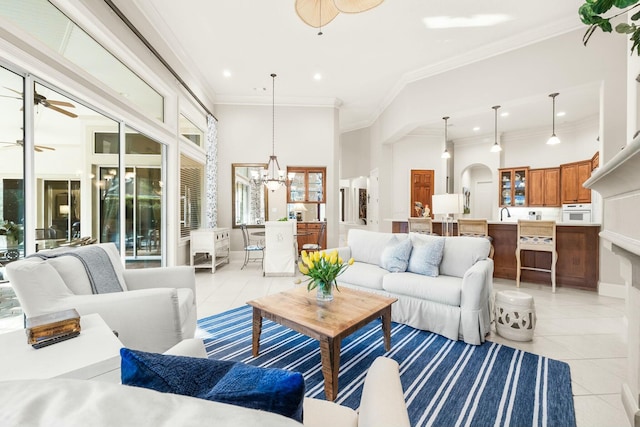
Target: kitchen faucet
[(508, 214)]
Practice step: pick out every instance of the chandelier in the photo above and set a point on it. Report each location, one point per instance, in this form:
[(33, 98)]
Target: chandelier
[(272, 176), (318, 13)]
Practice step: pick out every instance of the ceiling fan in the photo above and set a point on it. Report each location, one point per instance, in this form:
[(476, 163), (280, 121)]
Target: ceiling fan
[(20, 143), (48, 103)]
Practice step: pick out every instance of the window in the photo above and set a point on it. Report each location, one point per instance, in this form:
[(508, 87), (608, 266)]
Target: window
[(191, 183)]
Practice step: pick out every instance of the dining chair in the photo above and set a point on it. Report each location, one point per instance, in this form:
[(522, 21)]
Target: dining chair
[(318, 245), (250, 248)]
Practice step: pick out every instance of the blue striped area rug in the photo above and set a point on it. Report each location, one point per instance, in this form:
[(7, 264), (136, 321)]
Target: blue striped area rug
[(446, 383)]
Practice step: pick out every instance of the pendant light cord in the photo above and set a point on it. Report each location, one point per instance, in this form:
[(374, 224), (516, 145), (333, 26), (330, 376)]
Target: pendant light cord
[(495, 135), (273, 115), (553, 114)]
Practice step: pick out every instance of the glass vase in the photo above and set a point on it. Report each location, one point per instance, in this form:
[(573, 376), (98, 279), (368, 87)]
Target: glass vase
[(324, 291)]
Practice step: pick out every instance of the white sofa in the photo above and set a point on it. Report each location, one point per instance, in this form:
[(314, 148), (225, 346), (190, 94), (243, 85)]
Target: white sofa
[(155, 310), (455, 304), (56, 402)]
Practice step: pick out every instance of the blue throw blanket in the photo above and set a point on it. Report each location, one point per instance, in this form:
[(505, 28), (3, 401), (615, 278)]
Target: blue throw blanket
[(275, 390), (97, 264)]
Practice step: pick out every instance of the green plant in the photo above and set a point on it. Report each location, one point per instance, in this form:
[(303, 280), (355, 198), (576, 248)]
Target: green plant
[(12, 230), (591, 14)]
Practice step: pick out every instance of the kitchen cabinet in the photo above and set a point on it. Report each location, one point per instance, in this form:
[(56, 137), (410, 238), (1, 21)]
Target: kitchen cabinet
[(544, 187), (307, 186), (572, 176), (595, 161), (578, 255), (513, 186)]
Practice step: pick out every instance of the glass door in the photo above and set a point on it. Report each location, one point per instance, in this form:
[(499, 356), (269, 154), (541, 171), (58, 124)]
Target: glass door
[(505, 187)]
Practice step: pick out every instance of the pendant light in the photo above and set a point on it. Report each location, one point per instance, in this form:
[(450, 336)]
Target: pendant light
[(496, 148), (553, 140), (445, 154), (272, 176)]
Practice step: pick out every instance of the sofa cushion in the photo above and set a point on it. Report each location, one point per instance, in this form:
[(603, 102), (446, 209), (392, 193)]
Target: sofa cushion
[(395, 256), (441, 289), (73, 272), (32, 273), (363, 274), (426, 254), (267, 389), (462, 252), (366, 246), (70, 402)]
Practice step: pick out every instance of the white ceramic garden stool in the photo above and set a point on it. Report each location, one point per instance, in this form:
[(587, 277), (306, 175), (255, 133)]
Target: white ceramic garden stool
[(515, 315)]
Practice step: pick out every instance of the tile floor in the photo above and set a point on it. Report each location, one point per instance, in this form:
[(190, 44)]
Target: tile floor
[(581, 328)]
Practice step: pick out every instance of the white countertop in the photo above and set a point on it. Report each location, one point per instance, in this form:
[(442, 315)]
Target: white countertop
[(514, 221)]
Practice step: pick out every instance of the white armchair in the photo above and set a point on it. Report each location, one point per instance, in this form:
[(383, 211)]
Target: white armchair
[(155, 310)]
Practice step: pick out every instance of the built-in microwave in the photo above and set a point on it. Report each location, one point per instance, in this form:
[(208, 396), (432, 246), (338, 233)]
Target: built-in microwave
[(576, 212)]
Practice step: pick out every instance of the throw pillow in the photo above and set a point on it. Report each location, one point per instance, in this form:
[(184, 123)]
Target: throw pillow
[(395, 256), (426, 255), (268, 389)]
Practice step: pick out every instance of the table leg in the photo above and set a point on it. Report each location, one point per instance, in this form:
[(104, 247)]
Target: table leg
[(257, 330), (330, 356), (386, 328)]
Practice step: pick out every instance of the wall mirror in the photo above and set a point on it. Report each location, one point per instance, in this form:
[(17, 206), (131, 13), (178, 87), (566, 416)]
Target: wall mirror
[(248, 195)]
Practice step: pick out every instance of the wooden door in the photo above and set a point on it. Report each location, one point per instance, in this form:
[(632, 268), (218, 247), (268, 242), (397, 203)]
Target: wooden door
[(584, 173), (552, 187), (569, 176), (536, 187), (422, 187)]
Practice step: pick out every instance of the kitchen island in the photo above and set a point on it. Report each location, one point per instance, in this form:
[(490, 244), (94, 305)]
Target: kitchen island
[(578, 253)]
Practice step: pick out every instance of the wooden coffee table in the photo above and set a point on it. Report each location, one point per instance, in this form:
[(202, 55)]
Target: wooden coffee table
[(327, 322)]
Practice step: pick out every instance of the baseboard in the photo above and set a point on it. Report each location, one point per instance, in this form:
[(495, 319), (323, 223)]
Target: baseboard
[(630, 406), (612, 290)]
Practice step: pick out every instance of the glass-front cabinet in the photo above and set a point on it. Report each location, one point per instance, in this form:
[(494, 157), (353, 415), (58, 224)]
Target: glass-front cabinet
[(307, 186), (513, 186)]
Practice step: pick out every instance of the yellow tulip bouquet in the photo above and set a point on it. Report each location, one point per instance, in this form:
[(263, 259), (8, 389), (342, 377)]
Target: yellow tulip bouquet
[(322, 269)]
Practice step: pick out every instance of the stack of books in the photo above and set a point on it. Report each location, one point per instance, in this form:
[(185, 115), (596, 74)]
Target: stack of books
[(51, 328)]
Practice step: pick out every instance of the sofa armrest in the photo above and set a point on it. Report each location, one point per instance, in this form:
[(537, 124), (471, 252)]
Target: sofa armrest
[(190, 347), (147, 319), (477, 285), (161, 277), (344, 252), (382, 403)]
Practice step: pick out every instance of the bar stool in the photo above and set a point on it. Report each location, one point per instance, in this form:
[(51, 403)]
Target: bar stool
[(475, 228), (420, 225), (537, 236)]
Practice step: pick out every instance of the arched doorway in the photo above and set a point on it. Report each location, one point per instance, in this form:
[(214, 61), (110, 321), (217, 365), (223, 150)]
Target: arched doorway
[(478, 189)]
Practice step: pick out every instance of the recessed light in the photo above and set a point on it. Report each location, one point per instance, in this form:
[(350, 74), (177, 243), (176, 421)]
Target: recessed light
[(476, 129), (561, 114), (504, 114), (484, 20), (317, 76), (226, 73)]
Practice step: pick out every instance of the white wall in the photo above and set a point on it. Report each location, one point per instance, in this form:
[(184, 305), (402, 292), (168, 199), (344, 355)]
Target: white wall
[(304, 136)]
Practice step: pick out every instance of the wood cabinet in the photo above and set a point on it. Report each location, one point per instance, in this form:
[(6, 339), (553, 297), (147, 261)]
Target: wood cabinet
[(595, 161), (543, 187), (578, 256), (307, 232), (572, 176), (308, 185), (513, 186)]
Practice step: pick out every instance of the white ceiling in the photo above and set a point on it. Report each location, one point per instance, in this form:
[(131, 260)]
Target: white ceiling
[(364, 59)]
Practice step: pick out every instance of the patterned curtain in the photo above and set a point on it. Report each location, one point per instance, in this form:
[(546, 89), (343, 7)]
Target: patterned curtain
[(211, 182)]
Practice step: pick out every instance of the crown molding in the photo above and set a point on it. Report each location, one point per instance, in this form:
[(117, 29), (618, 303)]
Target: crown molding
[(293, 101)]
